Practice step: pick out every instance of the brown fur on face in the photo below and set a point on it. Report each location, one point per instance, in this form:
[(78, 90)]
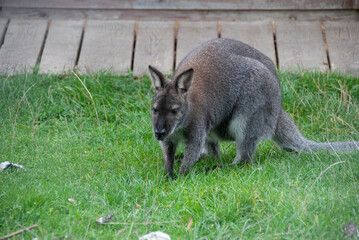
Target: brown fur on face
[(167, 111), (169, 101)]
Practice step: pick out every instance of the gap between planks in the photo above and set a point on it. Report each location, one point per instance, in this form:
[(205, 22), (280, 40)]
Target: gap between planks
[(4, 32), (134, 45), (322, 27), (274, 29), (80, 44), (43, 43)]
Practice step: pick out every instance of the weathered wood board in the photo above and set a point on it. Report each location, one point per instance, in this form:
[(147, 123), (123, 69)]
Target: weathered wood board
[(300, 45), (22, 45), (175, 15), (258, 34), (154, 46), (107, 45), (62, 44), (193, 34), (343, 45), (184, 4)]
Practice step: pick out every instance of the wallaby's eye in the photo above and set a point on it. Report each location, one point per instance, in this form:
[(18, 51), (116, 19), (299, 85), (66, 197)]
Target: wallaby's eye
[(175, 111), (154, 110)]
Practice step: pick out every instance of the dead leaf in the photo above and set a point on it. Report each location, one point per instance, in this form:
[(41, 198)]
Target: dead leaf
[(72, 200), (119, 233), (189, 224), (138, 206)]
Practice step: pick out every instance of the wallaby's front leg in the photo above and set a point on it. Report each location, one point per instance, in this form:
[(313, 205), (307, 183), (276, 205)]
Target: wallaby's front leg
[(168, 151), (192, 152)]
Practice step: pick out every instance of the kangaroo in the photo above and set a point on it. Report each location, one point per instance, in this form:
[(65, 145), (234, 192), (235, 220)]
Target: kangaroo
[(224, 90)]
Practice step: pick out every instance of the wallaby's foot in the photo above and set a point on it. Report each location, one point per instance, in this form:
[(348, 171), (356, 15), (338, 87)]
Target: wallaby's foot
[(290, 150), (246, 159), (241, 161), (210, 169), (169, 176), (179, 156), (185, 167), (236, 161), (184, 171), (234, 164)]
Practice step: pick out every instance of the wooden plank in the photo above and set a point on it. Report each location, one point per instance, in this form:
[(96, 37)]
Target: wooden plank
[(355, 4), (193, 34), (258, 34), (107, 45), (61, 46), (184, 4), (22, 45), (343, 45), (154, 46), (175, 15), (300, 45)]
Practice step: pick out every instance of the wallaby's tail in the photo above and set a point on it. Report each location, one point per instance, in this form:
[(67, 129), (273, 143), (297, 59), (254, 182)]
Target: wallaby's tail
[(289, 138)]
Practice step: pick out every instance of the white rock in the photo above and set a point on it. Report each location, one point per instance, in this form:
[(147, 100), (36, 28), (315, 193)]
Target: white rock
[(6, 164)]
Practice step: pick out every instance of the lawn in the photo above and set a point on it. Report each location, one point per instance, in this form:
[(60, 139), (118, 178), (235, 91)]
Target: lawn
[(87, 148)]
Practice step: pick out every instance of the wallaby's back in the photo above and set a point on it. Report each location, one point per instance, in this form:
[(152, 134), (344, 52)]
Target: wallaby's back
[(229, 76)]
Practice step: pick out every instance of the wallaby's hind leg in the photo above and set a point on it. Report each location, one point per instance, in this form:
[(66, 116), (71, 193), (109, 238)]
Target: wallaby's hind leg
[(237, 129), (245, 150), (248, 132)]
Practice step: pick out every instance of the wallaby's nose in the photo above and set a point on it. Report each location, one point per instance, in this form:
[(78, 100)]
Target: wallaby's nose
[(160, 134)]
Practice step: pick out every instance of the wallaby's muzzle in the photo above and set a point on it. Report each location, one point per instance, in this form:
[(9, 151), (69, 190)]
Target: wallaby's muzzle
[(159, 128), (160, 134)]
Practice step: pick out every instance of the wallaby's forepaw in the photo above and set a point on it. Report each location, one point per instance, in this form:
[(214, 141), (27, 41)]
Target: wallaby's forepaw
[(210, 169), (183, 172), (179, 156), (185, 169), (170, 177)]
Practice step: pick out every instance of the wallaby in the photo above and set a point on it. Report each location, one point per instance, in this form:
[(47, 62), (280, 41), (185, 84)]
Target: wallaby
[(224, 90)]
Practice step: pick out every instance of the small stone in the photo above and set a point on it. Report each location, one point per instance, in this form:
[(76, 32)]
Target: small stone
[(351, 230)]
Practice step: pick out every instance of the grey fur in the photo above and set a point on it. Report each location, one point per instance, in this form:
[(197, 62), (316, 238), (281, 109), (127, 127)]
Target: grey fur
[(224, 90)]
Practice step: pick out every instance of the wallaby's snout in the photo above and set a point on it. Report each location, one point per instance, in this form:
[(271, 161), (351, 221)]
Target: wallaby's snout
[(160, 129), (160, 134)]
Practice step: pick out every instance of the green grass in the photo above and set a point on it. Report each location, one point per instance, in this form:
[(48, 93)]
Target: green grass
[(100, 152)]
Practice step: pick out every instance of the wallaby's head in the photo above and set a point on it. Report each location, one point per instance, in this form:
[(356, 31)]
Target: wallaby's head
[(169, 102)]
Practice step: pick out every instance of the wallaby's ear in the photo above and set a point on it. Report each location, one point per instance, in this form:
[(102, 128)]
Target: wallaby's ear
[(184, 80), (157, 78)]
